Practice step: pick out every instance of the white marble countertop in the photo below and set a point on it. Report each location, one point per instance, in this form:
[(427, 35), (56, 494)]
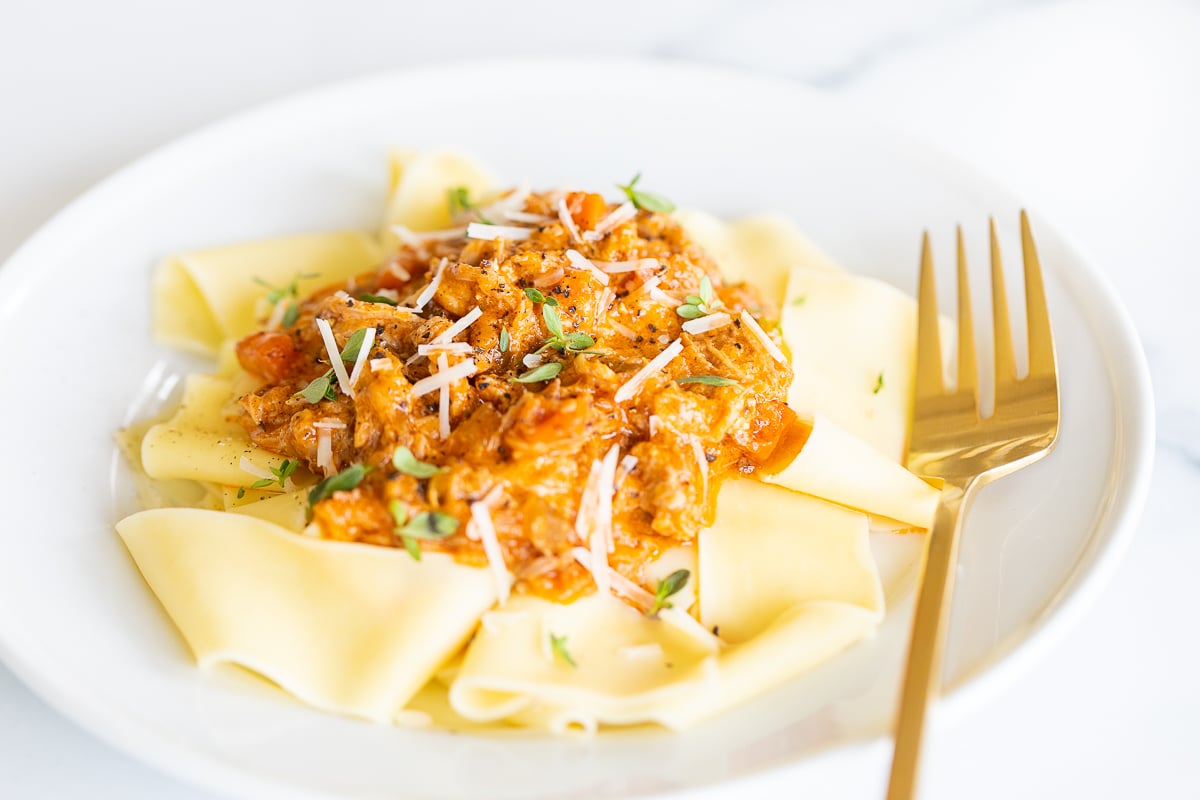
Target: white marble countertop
[(1088, 109)]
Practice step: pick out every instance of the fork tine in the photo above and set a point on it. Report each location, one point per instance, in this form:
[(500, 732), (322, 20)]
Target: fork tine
[(929, 345), (1006, 365), (968, 373), (1041, 342)]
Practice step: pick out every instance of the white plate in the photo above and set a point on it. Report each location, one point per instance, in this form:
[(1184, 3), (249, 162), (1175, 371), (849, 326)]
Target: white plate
[(79, 626)]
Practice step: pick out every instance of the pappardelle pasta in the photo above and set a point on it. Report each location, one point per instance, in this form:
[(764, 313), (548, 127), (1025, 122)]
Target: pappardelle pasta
[(526, 459)]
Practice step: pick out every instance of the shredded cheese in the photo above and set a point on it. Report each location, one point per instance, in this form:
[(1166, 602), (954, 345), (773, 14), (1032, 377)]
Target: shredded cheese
[(607, 295), (652, 651), (707, 323), (618, 216), (277, 312), (415, 239), (363, 352), (491, 233), (378, 364), (627, 464), (427, 293), (639, 597), (330, 423), (757, 330), (633, 265), (455, 348), (549, 278), (443, 378), (624, 330), (248, 466), (482, 522), (658, 295), (655, 424), (397, 270), (325, 452), (527, 218), (443, 363), (564, 216), (631, 387), (335, 356), (577, 261), (458, 327), (531, 360)]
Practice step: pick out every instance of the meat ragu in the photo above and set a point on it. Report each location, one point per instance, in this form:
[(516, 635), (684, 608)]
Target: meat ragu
[(529, 453)]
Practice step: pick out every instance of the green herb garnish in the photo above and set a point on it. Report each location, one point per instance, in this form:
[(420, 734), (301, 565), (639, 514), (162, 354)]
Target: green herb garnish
[(430, 525), (575, 342), (878, 383), (406, 462), (667, 587), (558, 644), (645, 200), (459, 201), (707, 380), (319, 389), (400, 514), (504, 340), (344, 481), (543, 373), (695, 306), (801, 300), (377, 298), (292, 290), (537, 297), (353, 345)]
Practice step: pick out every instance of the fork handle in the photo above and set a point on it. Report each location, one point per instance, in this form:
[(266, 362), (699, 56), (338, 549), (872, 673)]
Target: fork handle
[(923, 674)]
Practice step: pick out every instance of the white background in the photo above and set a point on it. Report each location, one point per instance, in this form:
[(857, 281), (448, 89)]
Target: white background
[(1091, 111)]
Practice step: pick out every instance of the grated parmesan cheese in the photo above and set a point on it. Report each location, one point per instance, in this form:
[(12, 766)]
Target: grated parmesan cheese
[(427, 293), (397, 270), (378, 364), (527, 218), (564, 216), (443, 363), (651, 651), (707, 323), (577, 261), (446, 377), (482, 522), (631, 387), (655, 424), (249, 466), (631, 591), (335, 356), (633, 265), (455, 348), (757, 330), (531, 360), (618, 216), (491, 233), (330, 423), (624, 330), (363, 352), (458, 327), (549, 278), (325, 452), (420, 239), (701, 462)]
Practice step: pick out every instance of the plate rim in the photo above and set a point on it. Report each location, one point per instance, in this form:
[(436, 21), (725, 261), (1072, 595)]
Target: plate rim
[(1124, 360)]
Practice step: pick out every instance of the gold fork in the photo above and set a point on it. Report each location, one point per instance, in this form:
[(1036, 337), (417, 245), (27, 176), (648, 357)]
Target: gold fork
[(952, 443)]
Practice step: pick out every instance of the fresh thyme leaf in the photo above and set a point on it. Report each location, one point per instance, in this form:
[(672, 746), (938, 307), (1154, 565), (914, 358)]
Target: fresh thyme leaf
[(241, 492), (406, 462), (504, 340), (282, 472), (558, 644), (667, 587), (318, 389), (706, 291), (878, 383), (353, 345), (801, 300), (694, 300), (536, 296), (344, 481), (689, 311), (430, 525), (543, 373), (377, 298), (291, 314), (262, 483), (399, 512), (413, 548), (645, 200), (458, 199), (578, 342), (707, 380), (552, 320)]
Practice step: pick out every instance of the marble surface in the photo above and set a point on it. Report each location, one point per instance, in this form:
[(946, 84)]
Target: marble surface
[(1088, 109)]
